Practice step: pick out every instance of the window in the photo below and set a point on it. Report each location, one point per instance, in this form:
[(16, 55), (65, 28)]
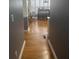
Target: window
[(36, 4)]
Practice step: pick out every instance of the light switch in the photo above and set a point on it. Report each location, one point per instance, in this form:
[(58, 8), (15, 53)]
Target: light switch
[(16, 53), (12, 17)]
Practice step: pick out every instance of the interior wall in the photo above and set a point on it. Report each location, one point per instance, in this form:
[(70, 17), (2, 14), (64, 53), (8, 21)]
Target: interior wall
[(25, 8), (16, 28), (25, 14), (59, 27)]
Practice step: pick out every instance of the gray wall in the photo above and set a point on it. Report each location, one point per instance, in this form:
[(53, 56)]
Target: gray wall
[(16, 28), (59, 27)]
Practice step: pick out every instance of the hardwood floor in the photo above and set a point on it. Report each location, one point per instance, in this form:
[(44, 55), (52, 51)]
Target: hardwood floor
[(36, 46)]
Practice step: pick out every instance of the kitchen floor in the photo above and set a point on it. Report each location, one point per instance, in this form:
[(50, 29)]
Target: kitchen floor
[(36, 46)]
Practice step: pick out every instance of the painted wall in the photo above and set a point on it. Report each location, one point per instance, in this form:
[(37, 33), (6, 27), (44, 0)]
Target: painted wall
[(16, 28), (59, 27), (25, 8), (26, 13)]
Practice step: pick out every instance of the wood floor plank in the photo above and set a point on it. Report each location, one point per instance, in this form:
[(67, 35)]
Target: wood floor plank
[(36, 46)]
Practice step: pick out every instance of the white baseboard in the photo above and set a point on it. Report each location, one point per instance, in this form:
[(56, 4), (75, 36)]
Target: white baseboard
[(50, 45), (20, 56)]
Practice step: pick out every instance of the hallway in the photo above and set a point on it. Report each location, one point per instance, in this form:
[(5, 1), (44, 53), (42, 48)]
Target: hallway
[(36, 46), (45, 39)]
